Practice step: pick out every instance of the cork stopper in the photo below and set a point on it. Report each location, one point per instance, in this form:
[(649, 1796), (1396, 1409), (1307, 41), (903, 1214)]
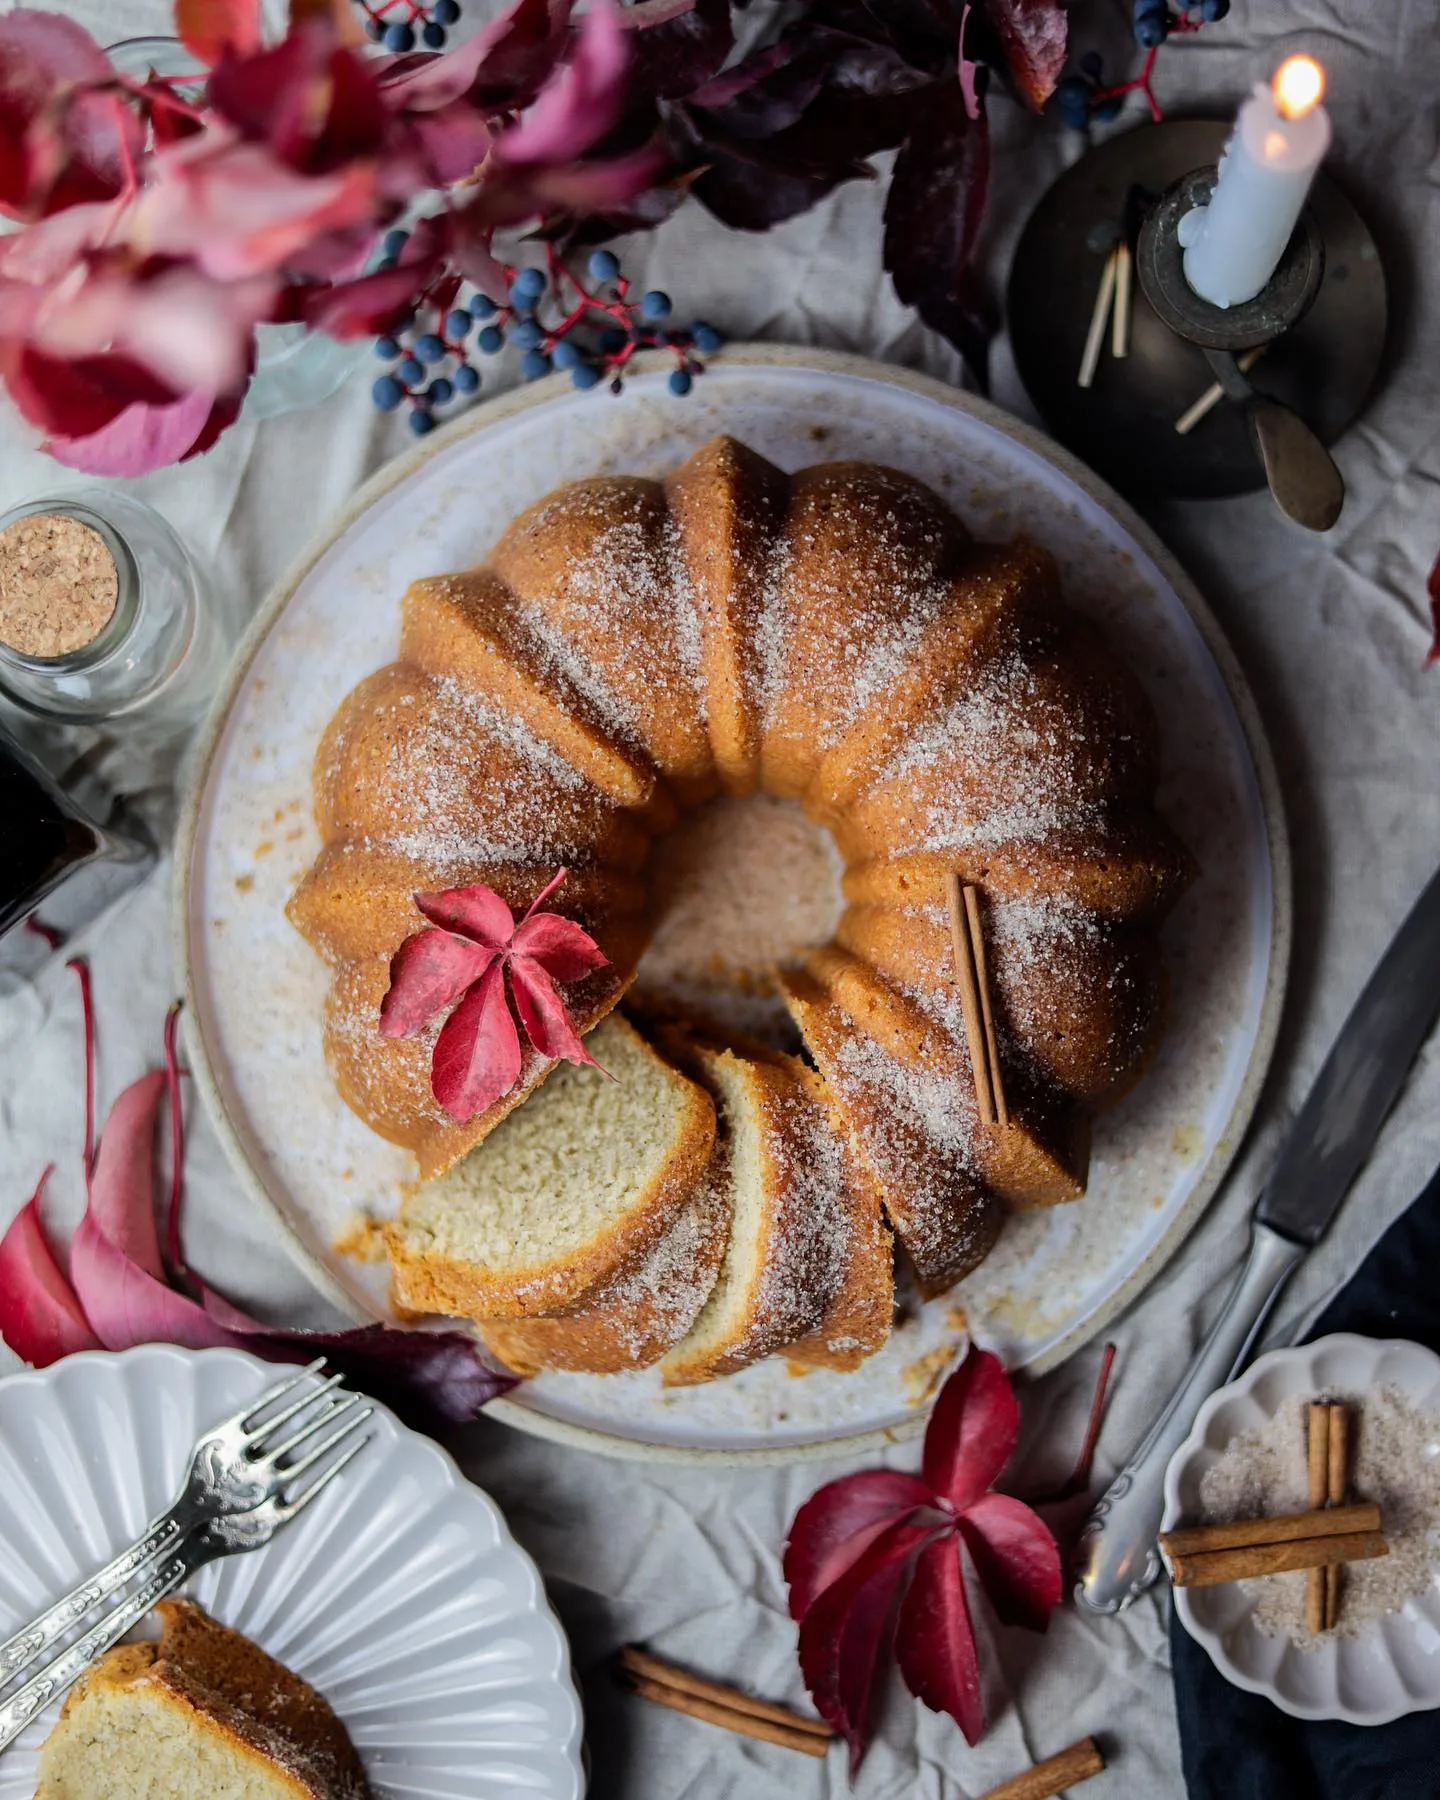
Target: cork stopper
[(59, 585)]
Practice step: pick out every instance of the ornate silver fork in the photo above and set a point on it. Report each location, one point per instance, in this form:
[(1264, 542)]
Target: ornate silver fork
[(225, 1534), (234, 1466)]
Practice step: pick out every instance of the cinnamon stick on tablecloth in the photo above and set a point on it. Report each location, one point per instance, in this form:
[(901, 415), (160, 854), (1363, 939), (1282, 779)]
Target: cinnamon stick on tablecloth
[(1052, 1776), (716, 1704)]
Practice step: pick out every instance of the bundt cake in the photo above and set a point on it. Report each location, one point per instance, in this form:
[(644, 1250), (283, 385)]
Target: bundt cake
[(833, 640), (200, 1715)]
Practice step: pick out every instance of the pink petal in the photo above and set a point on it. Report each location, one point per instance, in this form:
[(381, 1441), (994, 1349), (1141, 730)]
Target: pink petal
[(428, 972), (122, 1188), (140, 439), (565, 950), (517, 48), (972, 1430), (935, 1640), (41, 1318), (52, 157), (477, 913), (1016, 1558), (126, 1306), (843, 1632), (477, 1054), (206, 27), (838, 1523), (583, 101), (543, 1015)]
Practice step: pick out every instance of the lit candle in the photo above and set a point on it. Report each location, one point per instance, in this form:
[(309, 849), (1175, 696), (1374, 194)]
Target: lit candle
[(1233, 244)]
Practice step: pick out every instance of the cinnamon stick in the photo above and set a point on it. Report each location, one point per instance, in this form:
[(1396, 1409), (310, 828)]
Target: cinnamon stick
[(969, 998), (644, 1666), (982, 978), (1276, 1559), (728, 1719), (1337, 1481), (1317, 1421), (1052, 1776), (1282, 1528)]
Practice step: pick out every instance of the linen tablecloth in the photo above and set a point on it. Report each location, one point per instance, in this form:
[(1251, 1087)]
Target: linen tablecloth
[(1332, 633)]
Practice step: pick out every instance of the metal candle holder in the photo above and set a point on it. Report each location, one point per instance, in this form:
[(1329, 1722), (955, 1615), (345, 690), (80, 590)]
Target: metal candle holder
[(1320, 323)]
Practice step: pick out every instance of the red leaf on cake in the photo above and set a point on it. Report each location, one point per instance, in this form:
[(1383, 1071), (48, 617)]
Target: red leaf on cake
[(971, 1431), (1015, 1557), (935, 1640), (41, 1319), (477, 1057), (477, 1054), (838, 1523)]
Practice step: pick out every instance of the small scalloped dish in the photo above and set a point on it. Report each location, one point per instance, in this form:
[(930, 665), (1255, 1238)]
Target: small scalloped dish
[(1391, 1666)]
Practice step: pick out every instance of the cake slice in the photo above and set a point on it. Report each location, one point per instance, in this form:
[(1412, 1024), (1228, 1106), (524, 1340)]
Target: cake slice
[(202, 1712), (585, 1178)]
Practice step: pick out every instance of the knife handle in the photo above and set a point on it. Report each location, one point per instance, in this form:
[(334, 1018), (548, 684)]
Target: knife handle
[(1118, 1556)]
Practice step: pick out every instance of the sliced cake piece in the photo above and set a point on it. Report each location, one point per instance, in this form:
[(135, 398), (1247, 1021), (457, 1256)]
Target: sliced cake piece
[(204, 1711), (788, 1255), (584, 1178), (640, 1312)]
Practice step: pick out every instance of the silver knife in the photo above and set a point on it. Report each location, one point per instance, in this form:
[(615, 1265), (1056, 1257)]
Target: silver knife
[(1324, 1151)]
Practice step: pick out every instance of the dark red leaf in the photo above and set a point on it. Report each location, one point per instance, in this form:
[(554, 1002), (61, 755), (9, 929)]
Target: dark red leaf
[(429, 972), (477, 1054), (145, 437), (75, 396), (41, 1318), (543, 1015), (1016, 1558), (935, 1640), (1432, 588), (503, 66), (971, 1431), (673, 55), (750, 185), (207, 27), (476, 912), (565, 950), (368, 304), (59, 144), (839, 1522), (844, 1630), (932, 219), (583, 101), (1033, 35)]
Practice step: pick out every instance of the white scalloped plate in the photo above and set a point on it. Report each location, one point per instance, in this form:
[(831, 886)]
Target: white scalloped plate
[(1389, 1667), (256, 989), (399, 1594)]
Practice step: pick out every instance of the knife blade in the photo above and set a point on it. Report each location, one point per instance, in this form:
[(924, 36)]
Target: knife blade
[(1325, 1148)]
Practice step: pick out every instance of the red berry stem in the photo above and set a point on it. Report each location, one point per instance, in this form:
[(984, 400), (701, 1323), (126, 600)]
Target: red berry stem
[(87, 1013)]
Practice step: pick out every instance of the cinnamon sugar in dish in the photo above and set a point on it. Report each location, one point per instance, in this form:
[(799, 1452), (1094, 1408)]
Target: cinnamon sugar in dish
[(58, 585), (1396, 1464)]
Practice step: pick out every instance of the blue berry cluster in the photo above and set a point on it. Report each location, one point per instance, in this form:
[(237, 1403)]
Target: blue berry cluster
[(400, 35), (1083, 98), (1078, 97), (432, 368)]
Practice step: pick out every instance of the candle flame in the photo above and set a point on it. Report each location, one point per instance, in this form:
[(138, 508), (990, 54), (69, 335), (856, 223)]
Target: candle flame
[(1298, 86)]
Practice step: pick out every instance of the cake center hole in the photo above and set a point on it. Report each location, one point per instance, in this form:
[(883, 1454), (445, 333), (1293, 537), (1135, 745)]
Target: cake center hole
[(737, 889)]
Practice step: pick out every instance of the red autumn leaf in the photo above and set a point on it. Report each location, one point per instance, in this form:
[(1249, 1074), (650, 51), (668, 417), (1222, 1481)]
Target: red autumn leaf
[(935, 1640), (477, 1054), (123, 1180), (209, 27), (1033, 35), (430, 971), (582, 102), (1432, 588), (60, 144), (477, 913), (839, 1522), (501, 67), (542, 1013), (971, 1431), (565, 949), (40, 1317), (842, 1634), (510, 194), (84, 394), (145, 437), (1015, 1557)]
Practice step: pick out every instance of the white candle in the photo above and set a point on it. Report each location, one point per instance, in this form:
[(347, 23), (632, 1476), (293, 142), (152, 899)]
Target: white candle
[(1233, 244)]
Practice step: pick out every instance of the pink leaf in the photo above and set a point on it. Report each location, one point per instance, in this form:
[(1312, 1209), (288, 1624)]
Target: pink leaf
[(843, 1632), (40, 1317), (1033, 34), (364, 306), (839, 1522), (514, 52), (543, 1015), (935, 1640), (427, 973), (477, 913), (122, 1187), (584, 100), (206, 27), (127, 1306), (1432, 588), (565, 950), (969, 87), (79, 395), (510, 194), (477, 1054), (60, 144), (972, 1430), (1016, 1558), (142, 438)]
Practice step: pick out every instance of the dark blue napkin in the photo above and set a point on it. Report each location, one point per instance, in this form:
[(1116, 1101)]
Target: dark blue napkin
[(1237, 1746)]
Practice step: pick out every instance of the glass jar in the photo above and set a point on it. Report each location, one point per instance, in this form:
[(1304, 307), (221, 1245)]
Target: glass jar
[(157, 659)]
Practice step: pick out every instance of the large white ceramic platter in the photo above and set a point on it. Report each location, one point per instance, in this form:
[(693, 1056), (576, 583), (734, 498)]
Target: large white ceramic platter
[(399, 1593), (256, 989)]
